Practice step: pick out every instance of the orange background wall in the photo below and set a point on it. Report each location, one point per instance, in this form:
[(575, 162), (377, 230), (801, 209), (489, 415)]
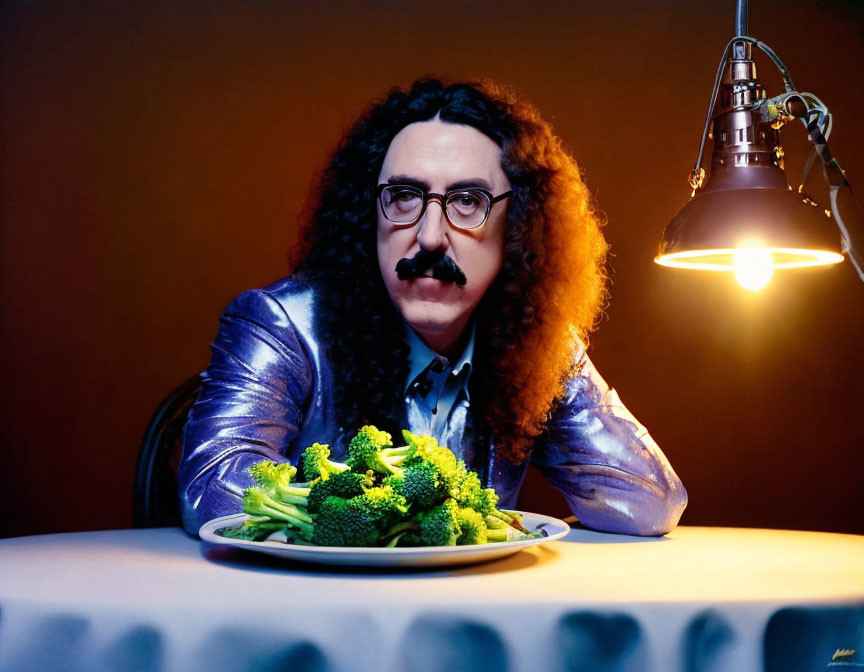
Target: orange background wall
[(155, 156)]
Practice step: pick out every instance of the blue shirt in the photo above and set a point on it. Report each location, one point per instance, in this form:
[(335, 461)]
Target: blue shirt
[(435, 386)]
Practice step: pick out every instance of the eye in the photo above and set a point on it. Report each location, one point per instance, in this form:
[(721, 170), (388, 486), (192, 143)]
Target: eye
[(467, 202), (401, 203), (401, 195)]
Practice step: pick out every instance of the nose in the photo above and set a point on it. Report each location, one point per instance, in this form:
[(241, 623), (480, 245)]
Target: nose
[(432, 227)]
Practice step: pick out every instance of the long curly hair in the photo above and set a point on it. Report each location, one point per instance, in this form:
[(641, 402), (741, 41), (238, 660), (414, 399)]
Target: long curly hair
[(536, 315)]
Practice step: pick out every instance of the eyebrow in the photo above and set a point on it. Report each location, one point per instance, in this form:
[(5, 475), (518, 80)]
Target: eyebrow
[(473, 182)]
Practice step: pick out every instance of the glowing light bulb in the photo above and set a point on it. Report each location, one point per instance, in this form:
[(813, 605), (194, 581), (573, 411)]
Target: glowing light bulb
[(753, 268)]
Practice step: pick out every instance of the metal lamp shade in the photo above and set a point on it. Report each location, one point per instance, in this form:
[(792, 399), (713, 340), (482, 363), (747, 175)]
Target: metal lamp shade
[(749, 207), (712, 226)]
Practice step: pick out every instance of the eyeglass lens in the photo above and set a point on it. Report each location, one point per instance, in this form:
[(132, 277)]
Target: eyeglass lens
[(465, 209)]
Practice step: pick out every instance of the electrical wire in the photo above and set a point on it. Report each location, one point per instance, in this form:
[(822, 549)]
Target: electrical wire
[(825, 122)]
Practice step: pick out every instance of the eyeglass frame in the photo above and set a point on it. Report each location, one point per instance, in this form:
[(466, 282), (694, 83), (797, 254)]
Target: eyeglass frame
[(442, 201)]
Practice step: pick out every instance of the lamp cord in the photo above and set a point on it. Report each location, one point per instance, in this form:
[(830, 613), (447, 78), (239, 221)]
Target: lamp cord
[(852, 236), (825, 121), (740, 23)]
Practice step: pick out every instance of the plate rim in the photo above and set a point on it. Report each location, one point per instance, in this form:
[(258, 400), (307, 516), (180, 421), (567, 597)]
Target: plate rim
[(207, 533)]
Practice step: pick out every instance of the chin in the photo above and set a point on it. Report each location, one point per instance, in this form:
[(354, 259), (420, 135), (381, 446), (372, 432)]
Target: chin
[(434, 322), (432, 318)]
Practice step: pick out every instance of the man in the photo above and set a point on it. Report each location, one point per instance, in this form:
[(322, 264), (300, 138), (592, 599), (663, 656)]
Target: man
[(450, 271)]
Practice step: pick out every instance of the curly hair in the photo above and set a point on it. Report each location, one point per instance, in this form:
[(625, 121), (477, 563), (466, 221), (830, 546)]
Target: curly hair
[(536, 314)]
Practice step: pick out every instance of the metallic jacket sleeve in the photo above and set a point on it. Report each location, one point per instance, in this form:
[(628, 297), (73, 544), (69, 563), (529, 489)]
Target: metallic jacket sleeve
[(249, 407), (614, 476)]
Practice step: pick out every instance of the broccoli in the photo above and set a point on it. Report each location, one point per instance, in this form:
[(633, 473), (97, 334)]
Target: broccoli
[(516, 521), (473, 527), (421, 484), (418, 494), (275, 480), (257, 502), (428, 472), (317, 463), (256, 528), (426, 448), (439, 526), (363, 520), (388, 504), (345, 484), (345, 522), (282, 473), (469, 492), (449, 524), (498, 530), (373, 449)]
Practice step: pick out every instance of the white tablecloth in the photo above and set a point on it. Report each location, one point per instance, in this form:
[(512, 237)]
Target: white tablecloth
[(698, 599)]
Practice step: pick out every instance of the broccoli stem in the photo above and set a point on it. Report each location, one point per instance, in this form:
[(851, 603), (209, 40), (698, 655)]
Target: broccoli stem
[(511, 519), (509, 533), (395, 540), (257, 502), (397, 531), (396, 456), (300, 520), (293, 495), (278, 509), (295, 490), (504, 534)]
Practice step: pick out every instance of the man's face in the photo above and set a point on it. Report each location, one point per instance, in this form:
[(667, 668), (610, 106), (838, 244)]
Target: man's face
[(441, 157)]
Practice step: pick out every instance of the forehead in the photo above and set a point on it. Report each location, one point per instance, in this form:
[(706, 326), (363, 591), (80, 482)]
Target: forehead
[(441, 153)]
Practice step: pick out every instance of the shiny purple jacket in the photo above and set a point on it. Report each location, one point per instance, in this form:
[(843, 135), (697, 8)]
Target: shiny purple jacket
[(268, 393)]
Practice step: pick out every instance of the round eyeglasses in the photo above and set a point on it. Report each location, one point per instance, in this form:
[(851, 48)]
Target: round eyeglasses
[(464, 208)]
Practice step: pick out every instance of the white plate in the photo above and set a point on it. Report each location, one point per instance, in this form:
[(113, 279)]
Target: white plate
[(428, 556)]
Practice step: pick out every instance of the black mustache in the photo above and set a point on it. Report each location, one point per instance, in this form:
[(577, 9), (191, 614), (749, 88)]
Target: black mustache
[(443, 267)]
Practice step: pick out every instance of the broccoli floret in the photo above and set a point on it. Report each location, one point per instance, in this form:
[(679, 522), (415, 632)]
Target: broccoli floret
[(267, 472), (345, 522), (276, 480), (257, 502), (469, 491), (345, 484), (364, 520), (421, 484), (472, 526), (439, 526), (426, 449), (419, 441), (317, 462), (388, 505), (373, 449)]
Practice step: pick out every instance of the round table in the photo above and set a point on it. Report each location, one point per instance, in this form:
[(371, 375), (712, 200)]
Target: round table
[(697, 599)]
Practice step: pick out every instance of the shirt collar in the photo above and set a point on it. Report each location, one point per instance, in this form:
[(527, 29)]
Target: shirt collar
[(421, 357)]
